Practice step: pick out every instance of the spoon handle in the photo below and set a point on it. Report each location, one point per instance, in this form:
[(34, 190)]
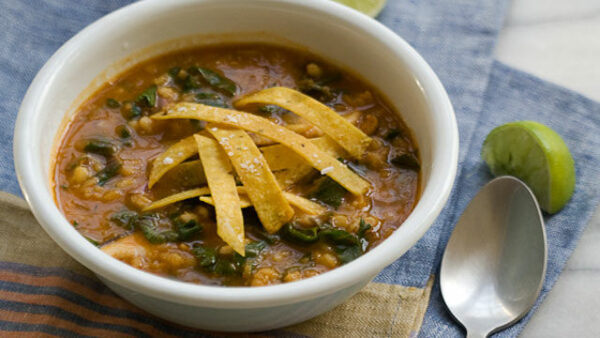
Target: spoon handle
[(476, 334)]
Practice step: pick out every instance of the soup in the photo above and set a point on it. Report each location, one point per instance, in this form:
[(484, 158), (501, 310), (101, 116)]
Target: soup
[(237, 165)]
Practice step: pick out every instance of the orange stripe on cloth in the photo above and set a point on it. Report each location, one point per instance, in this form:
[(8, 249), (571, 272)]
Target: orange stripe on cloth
[(46, 319), (22, 334), (103, 298), (93, 318)]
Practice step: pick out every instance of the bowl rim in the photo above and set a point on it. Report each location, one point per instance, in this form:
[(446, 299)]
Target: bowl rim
[(432, 200)]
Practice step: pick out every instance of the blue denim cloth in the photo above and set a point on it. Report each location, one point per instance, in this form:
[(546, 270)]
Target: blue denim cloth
[(457, 38)]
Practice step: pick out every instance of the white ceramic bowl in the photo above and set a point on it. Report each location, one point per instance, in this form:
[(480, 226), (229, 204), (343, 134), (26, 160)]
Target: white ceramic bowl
[(339, 34)]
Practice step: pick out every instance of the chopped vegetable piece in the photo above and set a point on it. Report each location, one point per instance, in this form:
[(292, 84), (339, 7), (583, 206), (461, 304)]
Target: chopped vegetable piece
[(134, 112), (173, 72), (94, 242), (184, 195), (210, 99), (347, 254), (218, 81), (148, 97), (123, 131), (176, 154), (217, 168), (408, 161), (338, 237), (101, 146), (148, 225), (125, 218), (186, 230), (302, 146), (206, 256), (330, 192), (109, 171), (363, 227), (112, 103), (302, 235), (261, 187), (392, 134), (253, 249), (331, 123)]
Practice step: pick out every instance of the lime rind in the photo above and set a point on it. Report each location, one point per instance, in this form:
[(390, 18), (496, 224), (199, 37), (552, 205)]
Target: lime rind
[(537, 155)]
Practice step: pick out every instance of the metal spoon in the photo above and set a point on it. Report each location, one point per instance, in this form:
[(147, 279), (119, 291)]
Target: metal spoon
[(495, 261)]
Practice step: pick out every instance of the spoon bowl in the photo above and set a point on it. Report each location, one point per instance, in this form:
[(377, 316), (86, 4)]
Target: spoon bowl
[(494, 264)]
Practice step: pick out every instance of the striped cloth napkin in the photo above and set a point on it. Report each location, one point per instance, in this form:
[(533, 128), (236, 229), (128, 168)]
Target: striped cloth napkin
[(44, 292)]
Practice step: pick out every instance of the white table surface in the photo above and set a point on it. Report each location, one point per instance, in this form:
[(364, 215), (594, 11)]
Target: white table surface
[(559, 41)]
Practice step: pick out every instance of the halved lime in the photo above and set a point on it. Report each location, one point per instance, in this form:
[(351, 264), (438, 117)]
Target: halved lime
[(538, 156), (369, 7)]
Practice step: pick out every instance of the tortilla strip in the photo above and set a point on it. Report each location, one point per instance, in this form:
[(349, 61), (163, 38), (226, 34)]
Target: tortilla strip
[(217, 168), (279, 156), (188, 174), (184, 195), (304, 204), (301, 203), (317, 158), (244, 201), (174, 155), (331, 123), (261, 187), (204, 194)]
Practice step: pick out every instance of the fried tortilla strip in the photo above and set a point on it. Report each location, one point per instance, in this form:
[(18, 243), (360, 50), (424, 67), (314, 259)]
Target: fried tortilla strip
[(191, 174), (188, 174), (176, 154), (261, 187), (317, 158), (244, 201), (279, 156), (217, 168), (301, 203), (331, 123), (304, 204), (184, 195)]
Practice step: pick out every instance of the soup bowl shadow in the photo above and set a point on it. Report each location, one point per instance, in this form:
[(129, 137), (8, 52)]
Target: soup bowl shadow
[(144, 29)]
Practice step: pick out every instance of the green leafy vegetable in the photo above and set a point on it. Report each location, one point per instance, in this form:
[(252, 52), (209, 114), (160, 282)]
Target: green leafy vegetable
[(329, 192), (75, 224), (135, 111), (206, 256), (253, 249), (211, 99), (173, 72), (110, 170), (308, 235), (101, 146), (123, 131), (125, 218), (149, 226), (187, 230), (112, 103), (347, 254), (217, 81), (408, 161), (363, 227), (96, 243), (148, 97), (338, 237), (270, 109)]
